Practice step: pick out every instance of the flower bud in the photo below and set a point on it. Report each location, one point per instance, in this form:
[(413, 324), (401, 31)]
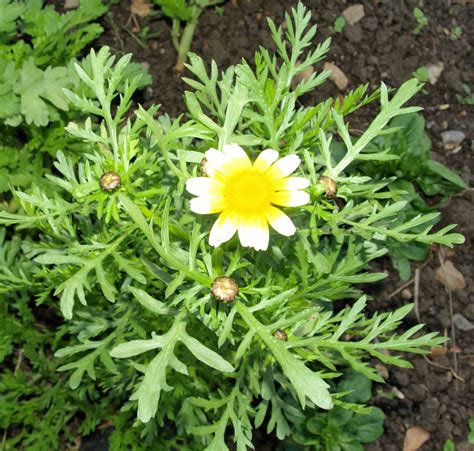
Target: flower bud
[(280, 335), (224, 289), (109, 181), (329, 185)]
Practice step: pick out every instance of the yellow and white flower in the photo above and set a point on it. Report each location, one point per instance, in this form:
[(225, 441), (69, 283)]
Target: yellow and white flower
[(245, 195)]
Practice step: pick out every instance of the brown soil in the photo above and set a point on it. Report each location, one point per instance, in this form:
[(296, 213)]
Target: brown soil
[(380, 47)]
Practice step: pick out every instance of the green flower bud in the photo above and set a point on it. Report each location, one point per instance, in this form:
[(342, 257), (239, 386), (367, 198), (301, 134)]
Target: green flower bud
[(109, 181), (280, 335), (224, 289), (329, 185)]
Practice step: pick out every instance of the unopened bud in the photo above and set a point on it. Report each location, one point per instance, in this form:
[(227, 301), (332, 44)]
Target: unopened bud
[(206, 168), (280, 335), (224, 289), (329, 185), (109, 181)]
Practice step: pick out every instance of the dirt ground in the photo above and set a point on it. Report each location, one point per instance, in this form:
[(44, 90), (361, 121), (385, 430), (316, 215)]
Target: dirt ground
[(438, 394)]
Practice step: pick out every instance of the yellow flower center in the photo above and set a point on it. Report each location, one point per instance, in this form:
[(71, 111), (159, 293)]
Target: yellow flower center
[(248, 191)]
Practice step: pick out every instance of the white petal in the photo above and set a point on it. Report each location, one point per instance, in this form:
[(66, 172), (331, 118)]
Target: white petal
[(206, 205), (284, 167), (216, 159), (236, 159), (280, 221), (291, 183), (204, 186), (265, 159), (261, 234), (253, 232), (223, 229), (290, 198)]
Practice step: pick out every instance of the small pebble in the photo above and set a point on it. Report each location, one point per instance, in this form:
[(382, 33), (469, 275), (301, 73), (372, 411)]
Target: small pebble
[(452, 138), (406, 294), (462, 322), (71, 4)]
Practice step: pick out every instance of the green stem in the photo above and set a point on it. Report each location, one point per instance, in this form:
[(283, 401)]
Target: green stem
[(186, 39), (137, 216)]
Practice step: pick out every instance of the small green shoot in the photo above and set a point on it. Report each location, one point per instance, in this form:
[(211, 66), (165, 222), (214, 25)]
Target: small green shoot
[(449, 445), (468, 99), (456, 33), (339, 24), (421, 74), (470, 437), (421, 20)]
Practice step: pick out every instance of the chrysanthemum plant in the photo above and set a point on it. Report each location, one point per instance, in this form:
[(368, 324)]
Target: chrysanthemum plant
[(196, 260)]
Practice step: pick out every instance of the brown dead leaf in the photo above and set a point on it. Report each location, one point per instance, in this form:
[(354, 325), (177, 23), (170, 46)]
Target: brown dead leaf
[(354, 13), (302, 76), (447, 251), (140, 7), (414, 438), (71, 4), (450, 276), (438, 351), (337, 76), (382, 370)]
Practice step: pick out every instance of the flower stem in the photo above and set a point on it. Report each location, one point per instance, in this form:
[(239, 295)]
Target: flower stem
[(186, 39)]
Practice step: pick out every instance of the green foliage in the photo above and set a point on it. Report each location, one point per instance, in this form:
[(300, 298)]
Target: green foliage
[(341, 428), (421, 20), (468, 98), (52, 38), (33, 74), (180, 9), (339, 24), (470, 438), (456, 33), (422, 74), (416, 174), (31, 94), (130, 270), (449, 446)]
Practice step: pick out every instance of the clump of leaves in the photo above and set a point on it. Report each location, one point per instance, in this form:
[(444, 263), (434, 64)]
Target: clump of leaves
[(418, 178), (48, 37), (339, 24), (131, 271), (421, 20), (34, 71), (342, 429)]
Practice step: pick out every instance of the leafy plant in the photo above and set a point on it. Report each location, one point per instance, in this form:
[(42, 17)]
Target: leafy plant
[(456, 33), (421, 20), (449, 446), (339, 24), (33, 73), (50, 38), (468, 99), (421, 74), (187, 11), (342, 429), (110, 243), (416, 174)]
